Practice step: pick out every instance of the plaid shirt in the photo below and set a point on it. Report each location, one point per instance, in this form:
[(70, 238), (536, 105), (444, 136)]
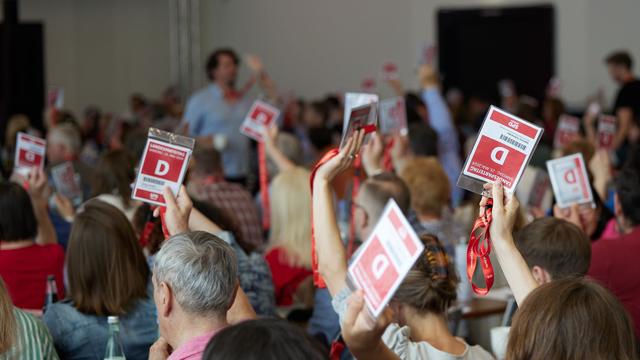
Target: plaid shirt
[(237, 202)]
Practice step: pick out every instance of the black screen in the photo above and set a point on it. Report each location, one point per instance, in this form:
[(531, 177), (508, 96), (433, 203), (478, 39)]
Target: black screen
[(479, 47)]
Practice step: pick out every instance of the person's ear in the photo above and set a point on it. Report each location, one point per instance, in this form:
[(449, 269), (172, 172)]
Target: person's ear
[(165, 300), (541, 275)]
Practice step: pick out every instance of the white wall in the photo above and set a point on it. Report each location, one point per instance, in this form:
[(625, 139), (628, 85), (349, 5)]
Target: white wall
[(318, 46), (102, 51)]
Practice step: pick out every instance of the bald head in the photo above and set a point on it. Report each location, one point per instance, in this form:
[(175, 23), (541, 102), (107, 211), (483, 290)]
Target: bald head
[(377, 190)]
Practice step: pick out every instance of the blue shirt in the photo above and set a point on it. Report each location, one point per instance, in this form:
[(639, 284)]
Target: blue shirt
[(448, 146), (83, 336), (207, 113)]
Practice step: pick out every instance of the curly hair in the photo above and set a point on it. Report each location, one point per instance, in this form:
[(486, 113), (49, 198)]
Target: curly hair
[(430, 286)]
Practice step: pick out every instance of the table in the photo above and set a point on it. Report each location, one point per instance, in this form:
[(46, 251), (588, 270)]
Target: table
[(479, 307)]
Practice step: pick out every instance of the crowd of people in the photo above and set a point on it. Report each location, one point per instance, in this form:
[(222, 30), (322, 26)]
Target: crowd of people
[(209, 279)]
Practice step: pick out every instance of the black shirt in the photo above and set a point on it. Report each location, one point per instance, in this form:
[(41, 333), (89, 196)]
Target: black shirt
[(629, 97)]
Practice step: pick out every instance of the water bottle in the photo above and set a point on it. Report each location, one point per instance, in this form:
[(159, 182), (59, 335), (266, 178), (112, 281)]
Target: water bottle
[(51, 295), (114, 344)]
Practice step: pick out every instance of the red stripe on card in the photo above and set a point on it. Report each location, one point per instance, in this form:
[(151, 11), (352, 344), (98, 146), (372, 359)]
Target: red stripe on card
[(148, 195), (583, 181), (514, 123), (406, 238), (369, 128)]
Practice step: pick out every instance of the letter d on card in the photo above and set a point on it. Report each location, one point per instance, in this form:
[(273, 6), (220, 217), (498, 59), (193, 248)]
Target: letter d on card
[(163, 164), (385, 258)]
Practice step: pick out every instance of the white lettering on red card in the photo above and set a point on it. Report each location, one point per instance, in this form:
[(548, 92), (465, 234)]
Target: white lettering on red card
[(385, 258), (568, 130), (30, 153), (569, 180), (261, 116), (606, 131), (503, 148), (163, 165), (393, 116)]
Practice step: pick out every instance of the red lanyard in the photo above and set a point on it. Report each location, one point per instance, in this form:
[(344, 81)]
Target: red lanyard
[(317, 279), (354, 191), (165, 231), (263, 175), (480, 248)]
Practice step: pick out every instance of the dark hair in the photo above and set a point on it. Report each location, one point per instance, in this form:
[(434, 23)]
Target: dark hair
[(321, 108), (264, 339), (207, 161), (18, 221), (320, 137), (431, 284), (107, 270), (628, 190), (225, 221), (556, 245), (115, 171), (572, 318), (423, 140), (622, 58), (214, 59), (377, 190)]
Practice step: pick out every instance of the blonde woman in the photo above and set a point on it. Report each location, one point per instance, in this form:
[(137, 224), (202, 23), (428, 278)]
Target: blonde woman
[(22, 336), (289, 250)]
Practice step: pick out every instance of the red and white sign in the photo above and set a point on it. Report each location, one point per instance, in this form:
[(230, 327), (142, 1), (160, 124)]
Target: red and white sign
[(163, 165), (427, 54), (67, 182), (363, 117), (606, 131), (55, 97), (393, 116), (389, 71), (568, 130), (261, 116), (385, 258), (30, 152), (569, 180), (503, 149)]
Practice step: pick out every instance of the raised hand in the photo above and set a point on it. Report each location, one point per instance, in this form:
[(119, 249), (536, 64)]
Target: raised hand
[(176, 217), (343, 161)]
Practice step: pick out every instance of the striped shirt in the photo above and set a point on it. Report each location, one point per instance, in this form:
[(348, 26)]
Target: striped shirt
[(33, 340)]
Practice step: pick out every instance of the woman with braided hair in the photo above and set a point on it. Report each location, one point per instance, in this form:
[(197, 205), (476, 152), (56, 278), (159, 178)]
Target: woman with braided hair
[(419, 328)]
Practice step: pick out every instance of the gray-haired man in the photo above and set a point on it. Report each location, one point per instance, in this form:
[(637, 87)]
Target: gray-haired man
[(195, 284)]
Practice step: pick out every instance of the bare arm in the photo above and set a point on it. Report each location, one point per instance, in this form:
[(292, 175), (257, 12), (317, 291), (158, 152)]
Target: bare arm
[(505, 209), (199, 222), (332, 258), (270, 136), (39, 192)]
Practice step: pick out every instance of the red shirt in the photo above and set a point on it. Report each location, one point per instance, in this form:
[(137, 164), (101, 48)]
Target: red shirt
[(614, 265), (25, 272), (286, 278)]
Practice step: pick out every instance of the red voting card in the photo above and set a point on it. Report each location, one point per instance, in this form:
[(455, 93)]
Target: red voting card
[(606, 131), (570, 181), (164, 163), (30, 152), (363, 117), (385, 258), (261, 116), (389, 71), (393, 116), (568, 130), (501, 151)]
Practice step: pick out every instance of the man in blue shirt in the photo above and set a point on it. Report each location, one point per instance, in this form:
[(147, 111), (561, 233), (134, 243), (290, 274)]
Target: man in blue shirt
[(215, 113)]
